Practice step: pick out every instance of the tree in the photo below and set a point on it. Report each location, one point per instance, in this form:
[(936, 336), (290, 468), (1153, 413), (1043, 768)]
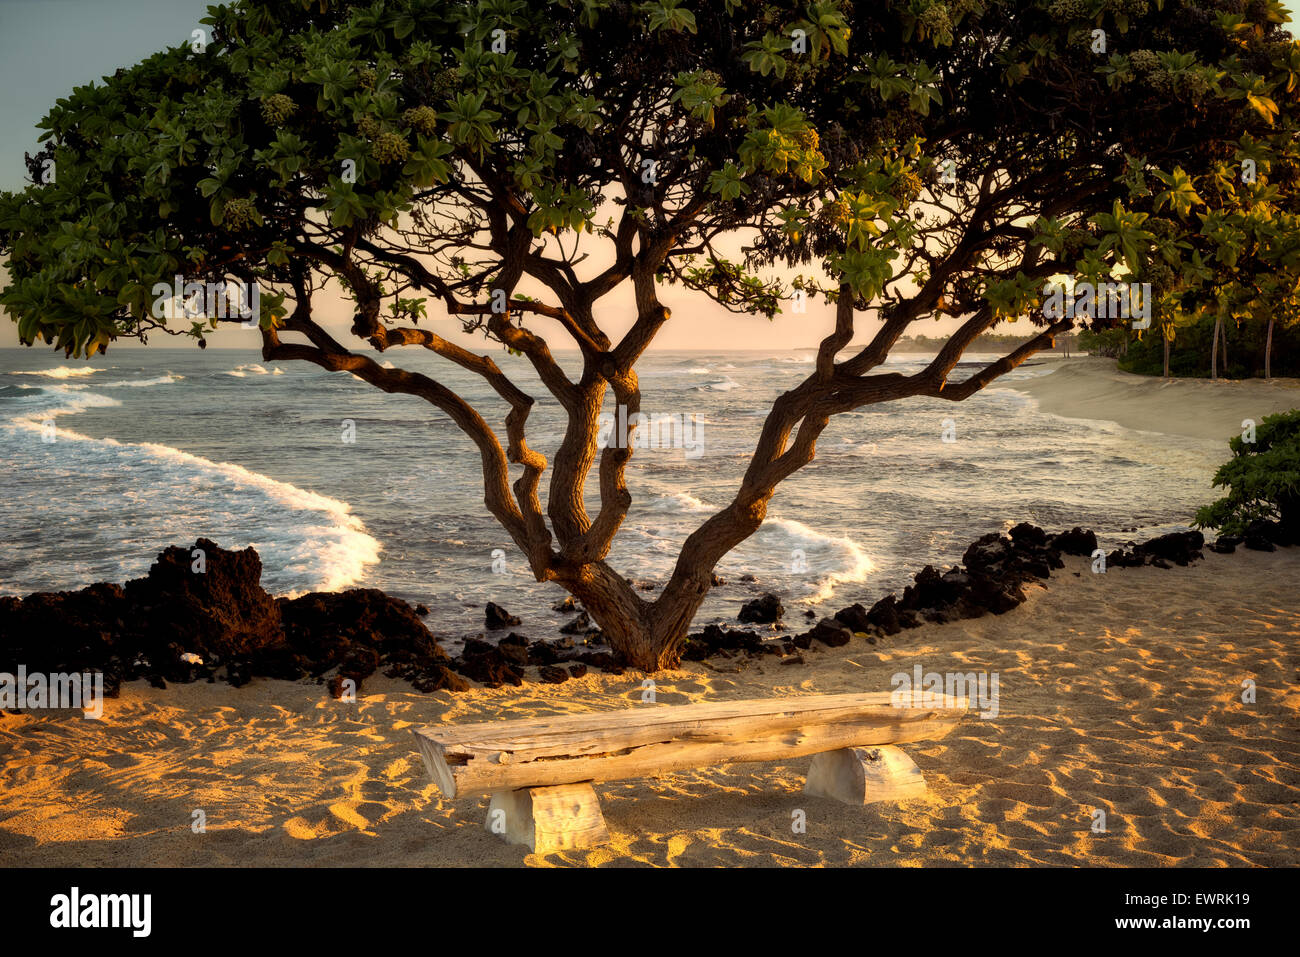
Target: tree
[(1262, 479), (906, 159)]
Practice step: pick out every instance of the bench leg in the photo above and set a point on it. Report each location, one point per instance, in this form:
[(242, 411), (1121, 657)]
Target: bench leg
[(561, 818), (864, 775)]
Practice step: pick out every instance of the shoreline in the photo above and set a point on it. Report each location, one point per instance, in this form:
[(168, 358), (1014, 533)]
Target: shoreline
[(1092, 388), (1118, 691)]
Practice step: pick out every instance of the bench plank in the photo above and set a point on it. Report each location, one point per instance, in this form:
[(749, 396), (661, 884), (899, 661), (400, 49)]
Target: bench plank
[(647, 740)]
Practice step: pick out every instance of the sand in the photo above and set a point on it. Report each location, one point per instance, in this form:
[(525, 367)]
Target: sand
[(1119, 692), (1092, 388)]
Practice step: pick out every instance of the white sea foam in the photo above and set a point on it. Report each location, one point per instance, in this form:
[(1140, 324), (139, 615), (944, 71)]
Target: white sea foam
[(252, 368), (317, 539), (167, 379), (61, 372)]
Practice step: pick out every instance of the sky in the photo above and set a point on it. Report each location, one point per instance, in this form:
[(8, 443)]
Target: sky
[(48, 47)]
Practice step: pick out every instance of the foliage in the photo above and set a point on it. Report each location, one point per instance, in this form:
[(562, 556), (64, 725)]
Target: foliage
[(1262, 478)]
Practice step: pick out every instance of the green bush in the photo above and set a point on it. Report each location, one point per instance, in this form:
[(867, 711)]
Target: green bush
[(1262, 478)]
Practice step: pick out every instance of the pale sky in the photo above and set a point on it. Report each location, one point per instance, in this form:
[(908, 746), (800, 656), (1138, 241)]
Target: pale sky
[(47, 47)]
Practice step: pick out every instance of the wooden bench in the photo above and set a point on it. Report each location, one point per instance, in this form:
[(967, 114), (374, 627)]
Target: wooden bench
[(540, 771)]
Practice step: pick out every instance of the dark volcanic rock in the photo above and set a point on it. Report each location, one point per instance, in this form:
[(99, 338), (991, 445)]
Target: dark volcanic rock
[(578, 626), (497, 617), (832, 633), (1258, 543), (609, 662), (714, 639), (884, 615), (577, 669), (221, 611), (855, 618), (564, 604), (552, 674), (486, 664), (1026, 534), (1182, 548), (324, 630), (761, 611), (1076, 541), (1225, 544)]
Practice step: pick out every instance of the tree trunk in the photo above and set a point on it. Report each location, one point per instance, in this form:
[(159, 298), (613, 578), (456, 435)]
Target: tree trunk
[(1214, 350), (649, 635), (1166, 357), (1268, 351)]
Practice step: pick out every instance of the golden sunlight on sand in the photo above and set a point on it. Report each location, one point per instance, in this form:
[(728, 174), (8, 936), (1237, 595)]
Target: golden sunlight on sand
[(1119, 692)]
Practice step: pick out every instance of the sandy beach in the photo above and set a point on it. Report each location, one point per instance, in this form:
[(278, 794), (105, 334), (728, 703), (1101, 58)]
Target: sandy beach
[(1092, 388), (1120, 692)]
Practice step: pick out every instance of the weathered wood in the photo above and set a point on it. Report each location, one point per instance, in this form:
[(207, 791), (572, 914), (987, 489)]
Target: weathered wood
[(865, 775), (561, 818), (647, 740)]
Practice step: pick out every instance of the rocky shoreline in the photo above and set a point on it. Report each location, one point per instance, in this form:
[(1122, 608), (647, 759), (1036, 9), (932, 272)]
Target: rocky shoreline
[(178, 625)]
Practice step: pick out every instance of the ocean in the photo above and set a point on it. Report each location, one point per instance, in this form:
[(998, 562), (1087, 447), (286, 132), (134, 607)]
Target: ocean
[(158, 447)]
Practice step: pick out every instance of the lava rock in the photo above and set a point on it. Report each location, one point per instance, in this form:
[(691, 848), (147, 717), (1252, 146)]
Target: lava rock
[(855, 618), (832, 633), (497, 617), (1077, 541), (1258, 543), (486, 664), (578, 626), (552, 675), (761, 611)]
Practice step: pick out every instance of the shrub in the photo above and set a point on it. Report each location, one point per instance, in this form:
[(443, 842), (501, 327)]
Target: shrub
[(1262, 478)]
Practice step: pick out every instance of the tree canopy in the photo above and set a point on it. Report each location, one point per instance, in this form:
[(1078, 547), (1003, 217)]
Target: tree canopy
[(904, 159)]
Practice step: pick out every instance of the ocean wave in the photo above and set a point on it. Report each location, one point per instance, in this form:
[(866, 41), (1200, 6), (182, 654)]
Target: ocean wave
[(321, 543), (61, 372), (167, 379), (725, 385), (852, 563), (252, 368)]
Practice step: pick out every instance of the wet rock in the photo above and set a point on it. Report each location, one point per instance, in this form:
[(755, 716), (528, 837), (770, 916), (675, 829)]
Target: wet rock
[(497, 617), (715, 580), (761, 611), (580, 625), (564, 604), (422, 611), (552, 675)]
